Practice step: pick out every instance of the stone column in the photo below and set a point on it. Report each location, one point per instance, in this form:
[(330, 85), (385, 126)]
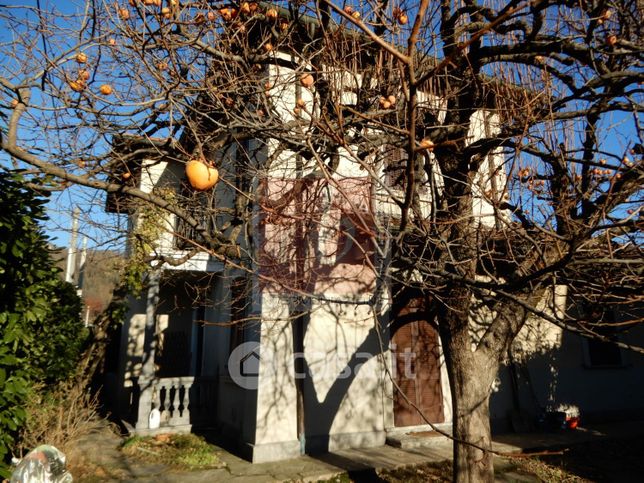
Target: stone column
[(146, 378)]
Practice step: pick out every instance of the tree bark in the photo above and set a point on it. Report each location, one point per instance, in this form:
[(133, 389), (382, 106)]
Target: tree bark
[(471, 426), (471, 374)]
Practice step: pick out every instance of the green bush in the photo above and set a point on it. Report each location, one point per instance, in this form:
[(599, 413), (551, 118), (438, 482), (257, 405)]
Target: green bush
[(41, 334)]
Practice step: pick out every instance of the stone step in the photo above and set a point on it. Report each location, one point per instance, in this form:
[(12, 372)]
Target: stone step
[(418, 439)]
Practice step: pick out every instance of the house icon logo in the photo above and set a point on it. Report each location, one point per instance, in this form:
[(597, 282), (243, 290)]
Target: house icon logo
[(244, 364), (249, 364)]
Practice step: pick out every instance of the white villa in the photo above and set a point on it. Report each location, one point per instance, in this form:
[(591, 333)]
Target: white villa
[(339, 347)]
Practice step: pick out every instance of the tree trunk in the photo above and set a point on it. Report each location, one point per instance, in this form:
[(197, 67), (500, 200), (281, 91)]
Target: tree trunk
[(471, 374), (471, 424)]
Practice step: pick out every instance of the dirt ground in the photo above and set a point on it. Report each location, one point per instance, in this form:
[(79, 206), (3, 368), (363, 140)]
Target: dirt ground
[(99, 459), (611, 460), (619, 461)]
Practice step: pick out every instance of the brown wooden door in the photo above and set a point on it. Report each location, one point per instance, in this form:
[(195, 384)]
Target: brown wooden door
[(415, 354)]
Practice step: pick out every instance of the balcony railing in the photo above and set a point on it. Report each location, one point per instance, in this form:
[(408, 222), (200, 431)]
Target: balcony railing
[(183, 402)]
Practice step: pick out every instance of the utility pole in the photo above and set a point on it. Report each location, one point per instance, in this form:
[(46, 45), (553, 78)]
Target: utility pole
[(70, 268)]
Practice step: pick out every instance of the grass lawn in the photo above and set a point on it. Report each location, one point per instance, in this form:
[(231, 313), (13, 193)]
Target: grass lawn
[(180, 451)]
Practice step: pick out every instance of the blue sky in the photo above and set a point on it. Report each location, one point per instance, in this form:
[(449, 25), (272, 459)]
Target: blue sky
[(91, 203)]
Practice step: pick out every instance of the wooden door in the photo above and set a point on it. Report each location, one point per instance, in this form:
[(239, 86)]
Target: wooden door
[(415, 352)]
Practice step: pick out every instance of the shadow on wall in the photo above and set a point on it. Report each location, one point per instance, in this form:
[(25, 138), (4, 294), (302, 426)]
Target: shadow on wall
[(345, 388), (335, 358), (330, 405), (551, 369)]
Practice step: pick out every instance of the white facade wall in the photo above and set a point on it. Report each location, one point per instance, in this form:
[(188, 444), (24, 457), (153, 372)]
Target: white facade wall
[(276, 416), (345, 406), (165, 178), (555, 372), (490, 183), (346, 392)]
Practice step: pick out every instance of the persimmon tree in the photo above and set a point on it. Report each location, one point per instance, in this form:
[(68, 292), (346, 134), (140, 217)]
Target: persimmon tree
[(423, 96)]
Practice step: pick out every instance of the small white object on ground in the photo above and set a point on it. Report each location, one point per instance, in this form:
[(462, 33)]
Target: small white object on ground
[(154, 420)]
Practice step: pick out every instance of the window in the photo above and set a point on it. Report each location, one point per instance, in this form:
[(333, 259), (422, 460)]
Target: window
[(201, 207), (395, 164), (601, 353)]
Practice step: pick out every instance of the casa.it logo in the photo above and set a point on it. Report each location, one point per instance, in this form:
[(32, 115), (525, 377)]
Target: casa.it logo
[(243, 365)]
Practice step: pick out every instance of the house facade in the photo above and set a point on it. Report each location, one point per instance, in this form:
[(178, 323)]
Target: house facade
[(301, 348), (301, 351), (551, 369)]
